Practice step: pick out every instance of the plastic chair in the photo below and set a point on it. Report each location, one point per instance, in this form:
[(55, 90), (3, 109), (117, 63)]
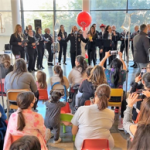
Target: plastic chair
[(66, 118), (87, 103), (59, 86), (12, 97), (95, 144), (15, 138), (118, 92), (66, 109), (43, 95)]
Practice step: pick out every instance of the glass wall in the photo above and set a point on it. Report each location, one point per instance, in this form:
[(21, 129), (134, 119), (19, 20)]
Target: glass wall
[(112, 12), (5, 22)]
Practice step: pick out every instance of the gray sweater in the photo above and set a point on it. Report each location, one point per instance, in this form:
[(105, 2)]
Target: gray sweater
[(25, 81), (127, 120), (4, 71)]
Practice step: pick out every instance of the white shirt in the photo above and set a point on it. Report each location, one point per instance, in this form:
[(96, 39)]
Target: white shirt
[(110, 36), (93, 124)]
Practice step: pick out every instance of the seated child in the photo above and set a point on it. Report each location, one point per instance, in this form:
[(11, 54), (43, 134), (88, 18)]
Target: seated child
[(52, 118), (79, 94), (41, 80)]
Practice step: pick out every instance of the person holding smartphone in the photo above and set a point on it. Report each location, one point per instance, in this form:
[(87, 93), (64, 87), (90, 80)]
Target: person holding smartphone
[(116, 76)]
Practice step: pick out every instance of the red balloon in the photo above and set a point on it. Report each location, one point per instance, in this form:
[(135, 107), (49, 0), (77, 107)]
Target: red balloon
[(84, 19)]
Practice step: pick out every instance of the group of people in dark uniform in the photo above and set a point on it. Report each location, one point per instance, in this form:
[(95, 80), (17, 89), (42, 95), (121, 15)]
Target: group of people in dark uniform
[(34, 43)]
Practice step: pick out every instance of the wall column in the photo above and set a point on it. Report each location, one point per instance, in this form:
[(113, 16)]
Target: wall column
[(15, 9), (86, 7)]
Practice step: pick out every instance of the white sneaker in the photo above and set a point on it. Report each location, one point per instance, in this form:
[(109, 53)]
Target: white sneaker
[(58, 141)]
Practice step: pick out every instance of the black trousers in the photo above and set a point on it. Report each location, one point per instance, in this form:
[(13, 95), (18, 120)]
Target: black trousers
[(20, 52), (73, 57), (124, 45), (63, 47), (32, 53), (40, 56), (91, 56), (50, 55)]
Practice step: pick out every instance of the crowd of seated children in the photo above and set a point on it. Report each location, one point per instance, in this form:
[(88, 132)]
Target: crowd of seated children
[(116, 76), (52, 118), (94, 121), (139, 132), (88, 87), (26, 122), (79, 94), (5, 66), (26, 143)]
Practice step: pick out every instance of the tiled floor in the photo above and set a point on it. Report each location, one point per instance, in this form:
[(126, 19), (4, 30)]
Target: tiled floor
[(67, 143)]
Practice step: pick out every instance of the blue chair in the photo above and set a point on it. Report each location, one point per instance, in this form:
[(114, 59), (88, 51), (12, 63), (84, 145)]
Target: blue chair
[(54, 87)]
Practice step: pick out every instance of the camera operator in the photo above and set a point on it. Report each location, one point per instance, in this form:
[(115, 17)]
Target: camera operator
[(142, 87), (116, 76)]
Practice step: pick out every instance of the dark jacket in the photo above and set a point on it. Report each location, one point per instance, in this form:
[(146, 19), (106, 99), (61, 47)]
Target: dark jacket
[(62, 40), (105, 37), (48, 44), (31, 40), (75, 42), (92, 45), (14, 42), (40, 38), (141, 45)]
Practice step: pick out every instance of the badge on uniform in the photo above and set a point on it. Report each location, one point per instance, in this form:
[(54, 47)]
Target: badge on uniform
[(79, 39)]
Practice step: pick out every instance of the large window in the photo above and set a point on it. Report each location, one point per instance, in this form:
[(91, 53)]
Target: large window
[(112, 12)]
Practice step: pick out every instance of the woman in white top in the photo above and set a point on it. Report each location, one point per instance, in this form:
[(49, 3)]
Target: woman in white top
[(85, 126), (77, 74), (58, 77)]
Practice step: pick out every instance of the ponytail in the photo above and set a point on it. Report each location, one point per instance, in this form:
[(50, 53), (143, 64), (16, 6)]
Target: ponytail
[(21, 121), (103, 94), (24, 100), (82, 63), (59, 71)]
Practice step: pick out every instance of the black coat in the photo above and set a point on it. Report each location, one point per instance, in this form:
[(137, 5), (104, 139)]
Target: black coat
[(14, 42), (31, 40), (40, 39), (141, 45), (75, 42), (48, 44), (105, 37), (62, 40), (92, 45)]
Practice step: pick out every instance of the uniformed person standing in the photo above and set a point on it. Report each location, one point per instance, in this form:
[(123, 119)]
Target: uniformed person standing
[(31, 50), (75, 43)]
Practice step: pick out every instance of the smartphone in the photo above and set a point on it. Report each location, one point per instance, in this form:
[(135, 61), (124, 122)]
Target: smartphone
[(143, 70), (113, 52)]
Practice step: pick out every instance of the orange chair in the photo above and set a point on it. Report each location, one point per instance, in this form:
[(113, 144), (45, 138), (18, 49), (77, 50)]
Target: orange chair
[(43, 95), (12, 97), (88, 102), (95, 144), (65, 109), (15, 138)]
